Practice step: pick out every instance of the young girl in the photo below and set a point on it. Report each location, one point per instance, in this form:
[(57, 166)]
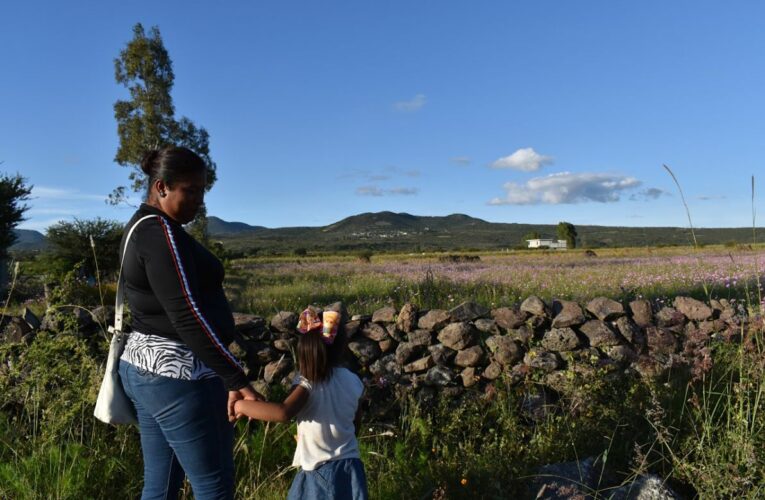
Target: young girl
[(325, 402)]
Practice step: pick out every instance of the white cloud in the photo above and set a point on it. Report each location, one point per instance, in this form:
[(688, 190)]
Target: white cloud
[(461, 160), (524, 159), (369, 191), (50, 193), (377, 191), (567, 188), (649, 194), (414, 104)]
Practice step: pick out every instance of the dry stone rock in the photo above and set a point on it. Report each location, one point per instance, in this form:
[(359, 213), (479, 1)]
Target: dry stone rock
[(434, 319), (534, 306), (361, 318), (487, 326), (469, 377), (599, 333), (407, 318), (395, 333), (406, 351), (472, 356), (693, 309), (509, 319), (522, 334), (493, 371), (649, 487), (387, 366), (264, 353), (669, 317), (567, 313), (661, 341), (284, 322), (468, 311), (420, 337), (457, 336), (275, 370), (621, 353), (15, 330), (384, 315), (351, 328), (542, 360), (287, 345), (365, 350), (441, 354), (504, 349), (642, 313), (439, 376), (419, 365), (387, 345), (631, 332), (605, 309), (565, 480), (373, 331), (560, 339)]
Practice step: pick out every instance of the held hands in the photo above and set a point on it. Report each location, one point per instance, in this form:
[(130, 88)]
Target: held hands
[(245, 393)]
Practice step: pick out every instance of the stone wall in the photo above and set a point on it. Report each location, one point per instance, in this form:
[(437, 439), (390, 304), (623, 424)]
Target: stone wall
[(470, 345)]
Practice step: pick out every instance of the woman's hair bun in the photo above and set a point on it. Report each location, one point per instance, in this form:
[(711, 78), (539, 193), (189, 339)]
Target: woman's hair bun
[(148, 164)]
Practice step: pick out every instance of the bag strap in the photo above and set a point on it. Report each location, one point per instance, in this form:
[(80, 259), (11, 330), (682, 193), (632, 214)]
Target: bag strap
[(119, 303)]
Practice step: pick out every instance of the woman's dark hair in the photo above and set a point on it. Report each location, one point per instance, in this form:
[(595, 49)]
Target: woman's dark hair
[(171, 164), (316, 359)]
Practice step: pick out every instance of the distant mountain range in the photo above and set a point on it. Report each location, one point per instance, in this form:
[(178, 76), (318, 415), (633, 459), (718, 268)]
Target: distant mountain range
[(381, 231)]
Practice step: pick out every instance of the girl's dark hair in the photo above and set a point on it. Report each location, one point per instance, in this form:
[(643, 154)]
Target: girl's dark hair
[(316, 359), (171, 164)]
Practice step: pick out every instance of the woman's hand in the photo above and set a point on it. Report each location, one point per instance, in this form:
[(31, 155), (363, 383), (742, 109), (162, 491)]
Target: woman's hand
[(245, 392)]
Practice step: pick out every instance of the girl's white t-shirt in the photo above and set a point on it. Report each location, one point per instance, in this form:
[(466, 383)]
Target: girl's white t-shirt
[(325, 428)]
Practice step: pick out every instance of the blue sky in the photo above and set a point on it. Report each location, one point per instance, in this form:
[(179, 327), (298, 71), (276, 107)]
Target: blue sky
[(524, 111)]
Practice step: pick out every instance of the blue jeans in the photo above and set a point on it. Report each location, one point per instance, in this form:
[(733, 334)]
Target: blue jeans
[(184, 431), (342, 479)]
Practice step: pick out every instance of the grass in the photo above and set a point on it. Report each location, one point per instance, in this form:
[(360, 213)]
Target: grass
[(704, 434)]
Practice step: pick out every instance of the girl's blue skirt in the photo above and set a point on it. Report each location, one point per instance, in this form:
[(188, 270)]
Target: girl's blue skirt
[(335, 480)]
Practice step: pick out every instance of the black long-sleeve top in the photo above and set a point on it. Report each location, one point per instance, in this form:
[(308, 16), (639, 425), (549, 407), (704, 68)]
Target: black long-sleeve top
[(174, 287)]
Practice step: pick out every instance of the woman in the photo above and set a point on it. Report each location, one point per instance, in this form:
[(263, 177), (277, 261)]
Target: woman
[(176, 366)]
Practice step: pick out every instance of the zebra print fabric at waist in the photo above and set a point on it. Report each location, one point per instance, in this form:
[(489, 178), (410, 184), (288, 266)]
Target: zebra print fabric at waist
[(164, 357)]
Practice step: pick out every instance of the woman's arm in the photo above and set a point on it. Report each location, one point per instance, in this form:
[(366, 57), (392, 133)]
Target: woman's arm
[(273, 412)]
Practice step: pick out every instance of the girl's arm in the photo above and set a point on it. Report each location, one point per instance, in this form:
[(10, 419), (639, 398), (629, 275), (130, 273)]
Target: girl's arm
[(273, 412)]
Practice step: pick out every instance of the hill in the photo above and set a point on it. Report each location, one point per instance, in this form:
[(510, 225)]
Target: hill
[(390, 231), (28, 240)]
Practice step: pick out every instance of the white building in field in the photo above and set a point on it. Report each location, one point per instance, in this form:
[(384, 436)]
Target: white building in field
[(547, 243)]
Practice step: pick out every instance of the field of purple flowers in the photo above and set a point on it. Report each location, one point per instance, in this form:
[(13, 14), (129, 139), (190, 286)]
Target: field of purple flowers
[(497, 279)]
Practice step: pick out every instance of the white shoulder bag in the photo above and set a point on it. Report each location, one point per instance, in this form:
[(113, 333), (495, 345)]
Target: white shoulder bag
[(113, 406)]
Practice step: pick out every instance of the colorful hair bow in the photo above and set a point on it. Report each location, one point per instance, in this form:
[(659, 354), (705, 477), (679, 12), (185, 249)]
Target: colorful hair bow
[(328, 322)]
